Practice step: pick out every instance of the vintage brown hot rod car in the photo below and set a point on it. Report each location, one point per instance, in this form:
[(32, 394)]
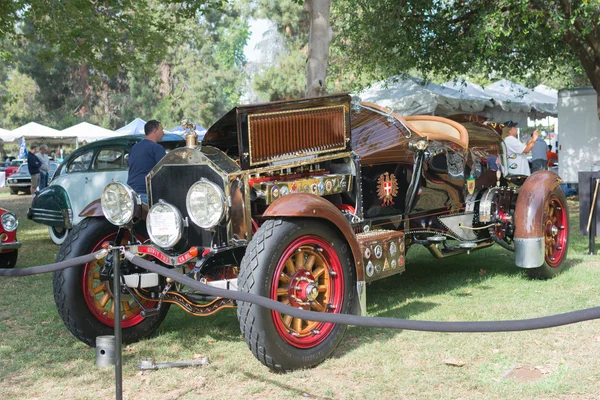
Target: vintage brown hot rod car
[(305, 202)]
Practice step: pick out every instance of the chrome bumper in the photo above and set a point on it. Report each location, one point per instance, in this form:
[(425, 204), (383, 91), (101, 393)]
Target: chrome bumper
[(10, 246)]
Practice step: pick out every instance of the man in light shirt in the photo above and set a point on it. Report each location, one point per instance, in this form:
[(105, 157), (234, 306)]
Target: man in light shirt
[(516, 151), (45, 168), (539, 158)]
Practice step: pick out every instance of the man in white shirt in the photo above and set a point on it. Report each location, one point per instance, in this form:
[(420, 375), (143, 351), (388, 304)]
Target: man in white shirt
[(516, 153), (43, 157)]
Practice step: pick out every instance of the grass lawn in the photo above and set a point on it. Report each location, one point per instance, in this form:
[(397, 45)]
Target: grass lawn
[(40, 359)]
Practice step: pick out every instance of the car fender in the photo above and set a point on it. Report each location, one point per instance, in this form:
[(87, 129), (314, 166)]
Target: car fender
[(312, 206), (52, 207), (529, 213)]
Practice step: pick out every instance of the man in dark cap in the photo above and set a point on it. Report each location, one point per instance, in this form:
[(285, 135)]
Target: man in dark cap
[(516, 150)]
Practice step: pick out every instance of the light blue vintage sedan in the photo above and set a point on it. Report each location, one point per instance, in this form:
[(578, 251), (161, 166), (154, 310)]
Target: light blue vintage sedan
[(80, 179)]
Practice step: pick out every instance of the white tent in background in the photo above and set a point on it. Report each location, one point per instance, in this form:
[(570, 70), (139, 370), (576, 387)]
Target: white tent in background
[(35, 130), (410, 96), (548, 91), (503, 108), (539, 103), (37, 133), (6, 135), (85, 131), (135, 127)]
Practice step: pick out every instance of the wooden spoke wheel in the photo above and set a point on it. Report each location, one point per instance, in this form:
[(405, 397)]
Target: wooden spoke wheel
[(308, 276), (303, 263), (555, 226), (85, 301), (555, 232)]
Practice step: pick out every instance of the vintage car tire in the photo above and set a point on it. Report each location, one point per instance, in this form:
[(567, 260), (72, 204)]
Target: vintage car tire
[(9, 260), (556, 236), (266, 333), (14, 190), (57, 234), (83, 320)]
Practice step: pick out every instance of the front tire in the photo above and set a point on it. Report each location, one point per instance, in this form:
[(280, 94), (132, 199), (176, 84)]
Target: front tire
[(84, 302), (304, 263), (556, 236), (9, 260), (58, 234)]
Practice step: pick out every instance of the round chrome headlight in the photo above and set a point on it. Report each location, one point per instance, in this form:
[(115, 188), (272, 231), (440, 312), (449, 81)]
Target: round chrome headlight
[(205, 204), (164, 224), (9, 221), (120, 203)]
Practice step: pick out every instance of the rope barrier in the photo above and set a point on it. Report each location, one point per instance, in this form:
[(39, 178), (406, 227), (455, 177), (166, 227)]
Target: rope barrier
[(374, 322), (345, 319), (56, 266)]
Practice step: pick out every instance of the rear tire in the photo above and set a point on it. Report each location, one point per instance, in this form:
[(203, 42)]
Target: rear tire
[(556, 236), (84, 302), (305, 263)]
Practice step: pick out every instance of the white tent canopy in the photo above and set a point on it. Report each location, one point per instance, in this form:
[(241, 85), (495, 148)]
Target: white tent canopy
[(501, 101), (507, 91), (135, 127), (548, 91), (502, 108), (410, 96), (6, 135), (35, 130), (89, 132)]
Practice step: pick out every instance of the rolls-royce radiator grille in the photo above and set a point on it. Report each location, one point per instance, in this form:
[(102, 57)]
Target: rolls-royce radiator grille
[(286, 134)]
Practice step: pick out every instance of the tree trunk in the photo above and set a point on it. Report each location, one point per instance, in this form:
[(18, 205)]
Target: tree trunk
[(82, 87), (165, 79), (318, 46)]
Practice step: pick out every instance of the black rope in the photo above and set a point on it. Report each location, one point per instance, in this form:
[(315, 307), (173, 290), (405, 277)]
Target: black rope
[(54, 267), (375, 322), (345, 319)]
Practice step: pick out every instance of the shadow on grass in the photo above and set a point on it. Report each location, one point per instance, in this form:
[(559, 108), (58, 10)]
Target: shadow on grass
[(299, 392)]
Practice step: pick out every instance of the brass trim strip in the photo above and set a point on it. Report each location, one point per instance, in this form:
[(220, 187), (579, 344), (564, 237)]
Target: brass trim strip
[(299, 163)]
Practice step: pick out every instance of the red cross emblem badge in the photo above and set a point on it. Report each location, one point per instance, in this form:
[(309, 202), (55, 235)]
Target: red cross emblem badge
[(387, 188)]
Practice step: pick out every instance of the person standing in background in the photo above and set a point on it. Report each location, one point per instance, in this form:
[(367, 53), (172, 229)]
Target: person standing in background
[(539, 159), (516, 150), (45, 167), (33, 165), (551, 156), (144, 156)]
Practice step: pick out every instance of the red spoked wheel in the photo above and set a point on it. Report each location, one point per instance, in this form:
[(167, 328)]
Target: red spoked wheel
[(303, 263), (555, 231), (85, 301), (98, 294), (556, 236), (309, 276)]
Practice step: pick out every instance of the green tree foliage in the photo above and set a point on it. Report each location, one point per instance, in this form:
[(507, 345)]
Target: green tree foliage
[(103, 34), (20, 101), (195, 73), (511, 38)]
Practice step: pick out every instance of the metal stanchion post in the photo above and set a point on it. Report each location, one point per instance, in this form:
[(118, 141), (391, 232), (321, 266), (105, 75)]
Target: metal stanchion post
[(117, 318)]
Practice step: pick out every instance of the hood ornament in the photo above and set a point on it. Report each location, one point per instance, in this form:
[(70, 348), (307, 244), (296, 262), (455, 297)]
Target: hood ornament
[(191, 137)]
